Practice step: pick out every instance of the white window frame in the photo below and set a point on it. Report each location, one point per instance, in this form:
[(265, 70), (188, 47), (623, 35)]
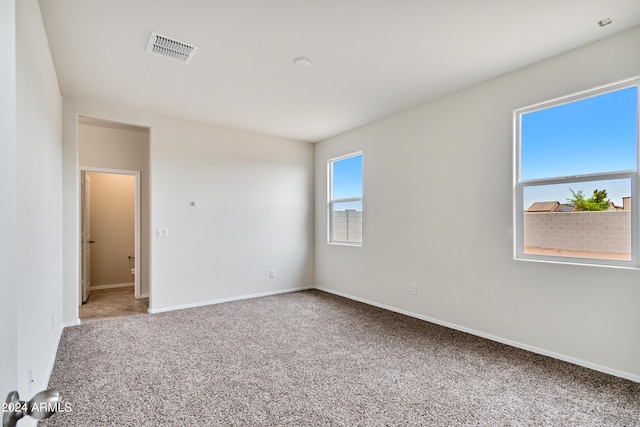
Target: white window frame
[(331, 202), (520, 185)]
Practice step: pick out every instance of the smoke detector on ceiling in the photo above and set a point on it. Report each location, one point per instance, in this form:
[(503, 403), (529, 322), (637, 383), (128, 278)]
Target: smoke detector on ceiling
[(171, 48), (605, 21)]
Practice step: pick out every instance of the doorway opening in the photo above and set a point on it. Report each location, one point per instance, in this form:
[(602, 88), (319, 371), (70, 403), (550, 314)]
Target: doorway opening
[(114, 149), (110, 224)]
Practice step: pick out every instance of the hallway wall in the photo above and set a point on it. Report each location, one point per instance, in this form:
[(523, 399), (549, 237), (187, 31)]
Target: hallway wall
[(112, 228)]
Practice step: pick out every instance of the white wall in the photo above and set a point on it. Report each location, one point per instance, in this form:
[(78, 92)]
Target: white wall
[(460, 148), (254, 210), (112, 228), (38, 202), (8, 285)]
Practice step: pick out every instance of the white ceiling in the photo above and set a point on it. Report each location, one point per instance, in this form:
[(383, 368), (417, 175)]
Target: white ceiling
[(370, 58)]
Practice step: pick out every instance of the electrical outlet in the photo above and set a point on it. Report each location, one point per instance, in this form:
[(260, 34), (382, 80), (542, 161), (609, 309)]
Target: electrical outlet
[(272, 273), (162, 232), (413, 288)]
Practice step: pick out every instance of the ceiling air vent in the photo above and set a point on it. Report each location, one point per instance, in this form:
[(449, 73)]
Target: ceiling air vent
[(170, 48)]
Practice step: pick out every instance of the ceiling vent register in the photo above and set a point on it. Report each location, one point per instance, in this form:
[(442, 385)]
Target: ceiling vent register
[(171, 48)]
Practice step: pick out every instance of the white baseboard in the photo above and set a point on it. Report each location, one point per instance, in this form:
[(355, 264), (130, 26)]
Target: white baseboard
[(220, 301), (115, 285), (554, 355), (52, 360), (74, 323)]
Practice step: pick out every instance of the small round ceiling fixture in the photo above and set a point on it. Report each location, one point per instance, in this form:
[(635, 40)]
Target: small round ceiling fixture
[(302, 61)]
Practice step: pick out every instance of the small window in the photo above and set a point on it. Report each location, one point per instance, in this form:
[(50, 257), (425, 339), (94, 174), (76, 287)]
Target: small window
[(345, 200), (577, 178)]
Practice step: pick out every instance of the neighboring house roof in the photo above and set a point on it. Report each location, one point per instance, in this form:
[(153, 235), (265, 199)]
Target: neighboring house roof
[(544, 207), (614, 207)]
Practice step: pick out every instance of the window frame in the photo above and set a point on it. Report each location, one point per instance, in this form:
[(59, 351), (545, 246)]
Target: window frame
[(331, 202), (520, 185)]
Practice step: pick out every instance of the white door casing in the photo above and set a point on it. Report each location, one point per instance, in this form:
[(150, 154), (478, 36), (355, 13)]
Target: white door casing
[(86, 236), (86, 223)]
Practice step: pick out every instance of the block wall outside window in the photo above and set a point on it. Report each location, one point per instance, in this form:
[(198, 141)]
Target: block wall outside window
[(576, 178), (345, 200), (605, 234), (347, 225)]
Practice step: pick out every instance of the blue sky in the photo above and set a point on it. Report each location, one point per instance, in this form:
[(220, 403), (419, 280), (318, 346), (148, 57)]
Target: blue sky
[(347, 181), (594, 135)]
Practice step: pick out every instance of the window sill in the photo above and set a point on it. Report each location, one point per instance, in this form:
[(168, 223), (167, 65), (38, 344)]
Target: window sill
[(357, 245), (577, 261)]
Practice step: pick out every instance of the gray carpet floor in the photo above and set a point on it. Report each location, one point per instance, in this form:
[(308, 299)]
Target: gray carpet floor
[(314, 359)]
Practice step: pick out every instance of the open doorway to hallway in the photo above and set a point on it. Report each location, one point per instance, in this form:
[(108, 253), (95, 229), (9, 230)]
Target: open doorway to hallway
[(110, 244), (113, 161), (114, 302)]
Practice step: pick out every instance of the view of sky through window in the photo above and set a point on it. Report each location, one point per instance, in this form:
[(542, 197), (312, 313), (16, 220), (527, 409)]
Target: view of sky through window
[(593, 135), (347, 181)]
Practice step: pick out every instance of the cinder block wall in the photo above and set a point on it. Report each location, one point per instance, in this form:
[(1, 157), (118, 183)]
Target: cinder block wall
[(347, 226), (605, 231)]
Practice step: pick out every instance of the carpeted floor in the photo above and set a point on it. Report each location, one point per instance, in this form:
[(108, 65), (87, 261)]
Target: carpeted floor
[(314, 359)]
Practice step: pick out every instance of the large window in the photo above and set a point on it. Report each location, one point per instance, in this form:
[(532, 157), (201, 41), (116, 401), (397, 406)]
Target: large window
[(345, 200), (577, 178)]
